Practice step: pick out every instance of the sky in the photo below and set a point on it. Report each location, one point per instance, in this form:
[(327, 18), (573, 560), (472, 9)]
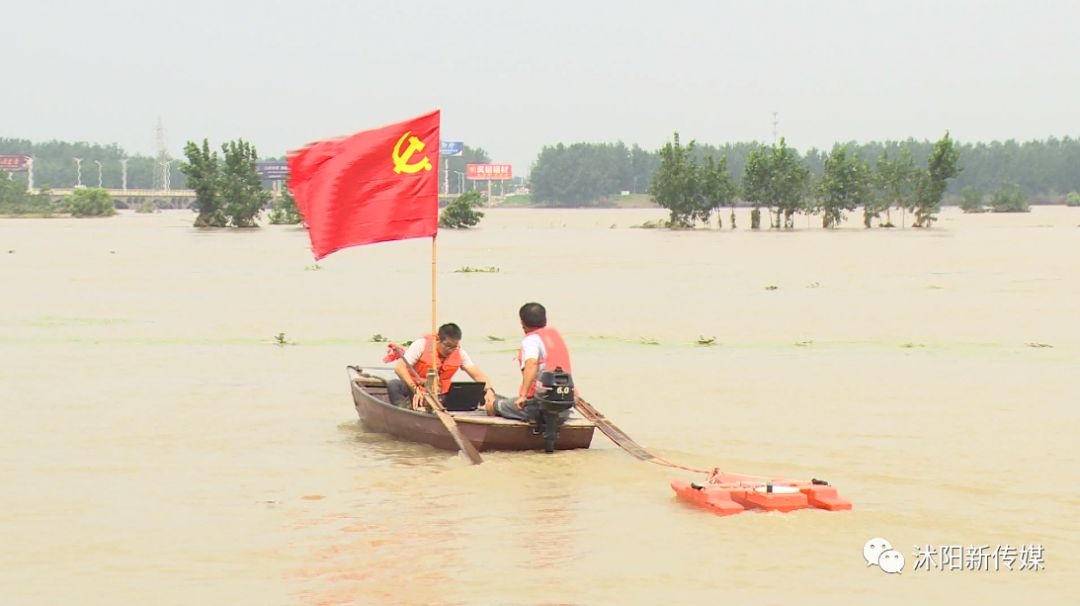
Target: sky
[(512, 77)]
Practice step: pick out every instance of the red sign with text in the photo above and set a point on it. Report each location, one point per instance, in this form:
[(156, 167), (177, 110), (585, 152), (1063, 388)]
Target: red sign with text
[(14, 163), (483, 172)]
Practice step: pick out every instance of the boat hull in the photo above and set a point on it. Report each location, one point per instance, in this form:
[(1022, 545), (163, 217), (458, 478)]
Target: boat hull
[(486, 433)]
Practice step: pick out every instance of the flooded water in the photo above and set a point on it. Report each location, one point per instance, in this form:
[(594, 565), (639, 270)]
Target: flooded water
[(159, 447)]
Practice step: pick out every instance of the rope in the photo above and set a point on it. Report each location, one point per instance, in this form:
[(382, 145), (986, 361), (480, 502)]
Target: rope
[(627, 443)]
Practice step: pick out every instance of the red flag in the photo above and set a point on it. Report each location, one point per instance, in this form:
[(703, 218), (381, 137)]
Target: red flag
[(374, 186)]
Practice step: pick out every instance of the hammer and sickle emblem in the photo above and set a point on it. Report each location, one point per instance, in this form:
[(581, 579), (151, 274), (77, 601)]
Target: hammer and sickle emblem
[(401, 158)]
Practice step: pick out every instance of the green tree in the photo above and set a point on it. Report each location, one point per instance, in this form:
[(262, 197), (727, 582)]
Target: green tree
[(757, 175), (203, 171), (1073, 199), (845, 183), (678, 185), (776, 177), (90, 202), (283, 210), (971, 201), (940, 167), (894, 180), (16, 200), (581, 174), (460, 213), (241, 188), (1008, 198), (719, 187)]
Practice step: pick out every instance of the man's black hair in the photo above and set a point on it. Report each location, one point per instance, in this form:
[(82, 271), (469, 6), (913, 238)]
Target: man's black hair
[(450, 331), (533, 315)]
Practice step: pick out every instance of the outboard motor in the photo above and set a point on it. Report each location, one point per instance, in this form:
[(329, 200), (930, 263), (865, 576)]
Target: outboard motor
[(556, 398)]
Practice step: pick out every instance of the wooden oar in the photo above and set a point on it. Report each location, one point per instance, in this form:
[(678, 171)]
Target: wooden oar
[(447, 419)]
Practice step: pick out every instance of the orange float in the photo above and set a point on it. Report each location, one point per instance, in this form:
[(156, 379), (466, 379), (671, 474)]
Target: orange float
[(728, 493)]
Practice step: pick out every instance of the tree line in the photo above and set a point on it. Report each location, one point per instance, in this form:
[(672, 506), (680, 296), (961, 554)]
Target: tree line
[(581, 174), (584, 173), (777, 179)]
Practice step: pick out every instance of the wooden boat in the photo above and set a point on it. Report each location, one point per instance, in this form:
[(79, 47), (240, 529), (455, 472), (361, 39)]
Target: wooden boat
[(485, 432)]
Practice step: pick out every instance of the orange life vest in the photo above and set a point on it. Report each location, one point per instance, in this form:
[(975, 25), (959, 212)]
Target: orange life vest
[(556, 355), (447, 366)]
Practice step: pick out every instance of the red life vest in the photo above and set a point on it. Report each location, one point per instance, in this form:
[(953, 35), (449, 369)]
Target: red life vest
[(556, 355), (447, 366)]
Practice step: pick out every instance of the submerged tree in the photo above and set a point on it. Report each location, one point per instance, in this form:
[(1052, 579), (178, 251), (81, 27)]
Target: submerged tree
[(203, 173), (678, 186), (241, 188), (895, 181), (719, 189), (91, 202), (460, 214), (971, 201), (930, 187), (228, 190), (844, 185), (283, 210), (1009, 199), (777, 178)]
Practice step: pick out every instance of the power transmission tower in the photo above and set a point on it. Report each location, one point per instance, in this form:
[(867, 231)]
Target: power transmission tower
[(774, 123)]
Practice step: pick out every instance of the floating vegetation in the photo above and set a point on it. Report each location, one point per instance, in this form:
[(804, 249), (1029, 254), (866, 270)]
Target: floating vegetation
[(406, 343), (490, 269), (494, 338), (806, 343), (281, 341), (659, 224), (378, 338), (1035, 344), (649, 341), (772, 287), (911, 345), (612, 226), (706, 340), (814, 285), (935, 287), (315, 267)]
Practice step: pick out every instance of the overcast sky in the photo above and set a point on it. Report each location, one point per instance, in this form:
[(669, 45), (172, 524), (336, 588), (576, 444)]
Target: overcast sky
[(511, 77)]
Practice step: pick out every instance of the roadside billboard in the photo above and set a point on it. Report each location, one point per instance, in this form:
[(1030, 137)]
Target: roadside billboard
[(485, 172), (14, 163), (273, 171)]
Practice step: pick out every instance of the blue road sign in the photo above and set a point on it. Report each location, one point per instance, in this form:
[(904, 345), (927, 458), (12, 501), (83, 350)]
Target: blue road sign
[(451, 148)]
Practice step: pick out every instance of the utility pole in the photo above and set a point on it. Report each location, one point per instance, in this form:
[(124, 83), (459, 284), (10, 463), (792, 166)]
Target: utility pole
[(78, 172), (774, 123)]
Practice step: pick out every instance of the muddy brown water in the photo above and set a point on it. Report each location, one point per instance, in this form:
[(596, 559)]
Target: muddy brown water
[(158, 447)]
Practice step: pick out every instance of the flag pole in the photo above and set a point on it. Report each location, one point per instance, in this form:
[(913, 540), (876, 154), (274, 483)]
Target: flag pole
[(434, 327)]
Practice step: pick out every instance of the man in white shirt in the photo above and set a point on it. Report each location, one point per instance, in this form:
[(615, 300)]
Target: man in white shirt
[(403, 390)]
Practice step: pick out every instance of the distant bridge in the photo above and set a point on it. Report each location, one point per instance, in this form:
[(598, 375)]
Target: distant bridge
[(170, 198)]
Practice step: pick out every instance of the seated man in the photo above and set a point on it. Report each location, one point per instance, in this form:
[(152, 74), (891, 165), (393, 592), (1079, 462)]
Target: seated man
[(403, 392), (542, 349)]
